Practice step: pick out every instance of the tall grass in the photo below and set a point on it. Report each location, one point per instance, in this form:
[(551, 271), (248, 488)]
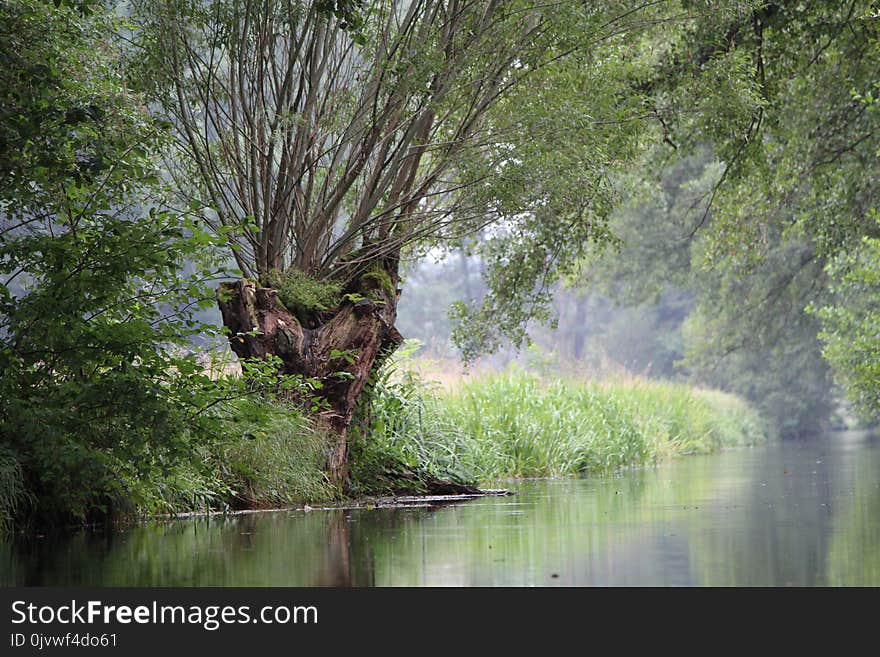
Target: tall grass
[(276, 461), (520, 425), (12, 490), (278, 465)]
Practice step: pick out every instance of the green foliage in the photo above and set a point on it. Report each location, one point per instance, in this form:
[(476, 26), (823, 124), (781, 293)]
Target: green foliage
[(554, 191), (88, 412), (302, 294), (738, 324), (785, 94), (52, 118), (105, 412), (851, 326), (851, 320), (751, 334), (347, 11), (515, 116), (767, 116), (771, 86)]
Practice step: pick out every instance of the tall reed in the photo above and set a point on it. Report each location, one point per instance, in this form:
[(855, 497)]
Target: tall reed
[(521, 425)]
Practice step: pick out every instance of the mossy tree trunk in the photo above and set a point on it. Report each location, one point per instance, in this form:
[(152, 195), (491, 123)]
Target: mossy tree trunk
[(340, 346)]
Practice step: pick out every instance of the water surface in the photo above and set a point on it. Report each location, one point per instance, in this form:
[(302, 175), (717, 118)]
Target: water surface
[(793, 513)]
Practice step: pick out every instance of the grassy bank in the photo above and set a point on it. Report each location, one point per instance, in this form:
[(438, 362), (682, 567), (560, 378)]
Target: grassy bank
[(520, 425), (254, 452), (248, 452)]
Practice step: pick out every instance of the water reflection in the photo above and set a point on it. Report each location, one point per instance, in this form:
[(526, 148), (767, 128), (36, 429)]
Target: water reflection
[(802, 513)]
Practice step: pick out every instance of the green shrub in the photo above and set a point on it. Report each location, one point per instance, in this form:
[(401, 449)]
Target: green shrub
[(851, 325)]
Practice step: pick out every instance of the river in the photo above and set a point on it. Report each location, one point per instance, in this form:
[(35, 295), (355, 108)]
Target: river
[(795, 513)]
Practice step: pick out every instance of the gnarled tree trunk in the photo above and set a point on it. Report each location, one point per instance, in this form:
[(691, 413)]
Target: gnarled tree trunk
[(339, 347)]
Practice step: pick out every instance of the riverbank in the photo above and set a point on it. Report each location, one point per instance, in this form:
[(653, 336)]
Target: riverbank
[(520, 425), (789, 512), (480, 431)]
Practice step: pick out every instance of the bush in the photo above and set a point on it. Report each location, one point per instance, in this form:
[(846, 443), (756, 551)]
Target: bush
[(851, 326)]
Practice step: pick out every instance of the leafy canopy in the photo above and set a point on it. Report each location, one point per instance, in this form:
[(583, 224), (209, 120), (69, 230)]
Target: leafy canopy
[(332, 148)]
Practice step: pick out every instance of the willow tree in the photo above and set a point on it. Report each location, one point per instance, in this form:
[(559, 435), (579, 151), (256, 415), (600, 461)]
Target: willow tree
[(326, 140)]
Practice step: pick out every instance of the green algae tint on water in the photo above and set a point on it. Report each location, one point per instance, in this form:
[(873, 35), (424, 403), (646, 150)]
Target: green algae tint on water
[(798, 513)]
